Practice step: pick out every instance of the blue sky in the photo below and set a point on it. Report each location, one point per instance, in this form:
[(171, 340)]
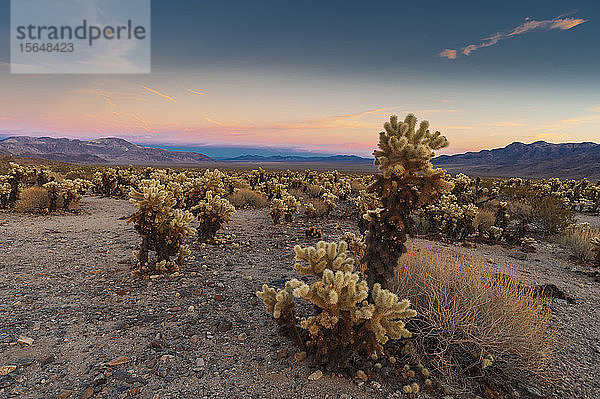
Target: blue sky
[(323, 76)]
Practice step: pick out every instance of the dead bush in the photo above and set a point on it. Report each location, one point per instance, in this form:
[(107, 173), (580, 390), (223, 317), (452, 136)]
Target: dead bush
[(33, 200), (246, 198), (317, 209), (578, 240), (312, 190), (468, 313), (484, 220)]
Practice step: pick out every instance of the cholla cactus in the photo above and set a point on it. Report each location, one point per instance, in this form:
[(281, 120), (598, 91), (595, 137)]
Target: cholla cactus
[(4, 191), (17, 173), (408, 181), (346, 321), (325, 256), (284, 208), (162, 228), (213, 212), (53, 189), (72, 191)]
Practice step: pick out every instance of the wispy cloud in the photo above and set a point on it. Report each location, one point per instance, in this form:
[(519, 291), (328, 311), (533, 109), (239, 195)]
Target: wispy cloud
[(195, 92), (505, 124), (214, 121), (448, 53), (160, 94), (530, 25)]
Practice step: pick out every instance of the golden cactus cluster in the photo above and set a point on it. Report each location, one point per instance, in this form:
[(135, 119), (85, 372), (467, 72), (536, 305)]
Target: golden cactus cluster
[(346, 320)]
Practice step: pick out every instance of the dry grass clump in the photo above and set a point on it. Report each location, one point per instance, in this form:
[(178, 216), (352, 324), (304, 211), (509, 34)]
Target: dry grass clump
[(246, 198), (484, 219), (468, 313), (578, 240), (33, 200), (317, 209)]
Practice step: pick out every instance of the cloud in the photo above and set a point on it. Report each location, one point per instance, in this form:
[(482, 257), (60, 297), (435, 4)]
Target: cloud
[(505, 124), (160, 94), (195, 92), (214, 121), (561, 23), (448, 53), (595, 109)]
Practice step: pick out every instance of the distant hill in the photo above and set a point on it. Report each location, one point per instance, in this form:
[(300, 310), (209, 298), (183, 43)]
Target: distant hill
[(297, 158), (535, 160), (100, 151)]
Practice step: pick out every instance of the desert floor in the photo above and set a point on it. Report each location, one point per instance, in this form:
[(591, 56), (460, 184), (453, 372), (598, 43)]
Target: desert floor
[(98, 332)]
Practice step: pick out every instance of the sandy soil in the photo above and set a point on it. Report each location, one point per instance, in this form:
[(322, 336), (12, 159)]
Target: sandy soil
[(65, 283)]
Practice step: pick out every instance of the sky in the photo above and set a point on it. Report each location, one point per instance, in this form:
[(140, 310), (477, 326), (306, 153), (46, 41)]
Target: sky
[(323, 76)]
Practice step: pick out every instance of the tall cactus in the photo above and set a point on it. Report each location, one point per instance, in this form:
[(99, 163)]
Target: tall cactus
[(408, 181)]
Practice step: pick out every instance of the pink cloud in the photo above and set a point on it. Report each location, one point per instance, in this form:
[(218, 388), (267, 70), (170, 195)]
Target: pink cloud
[(561, 23)]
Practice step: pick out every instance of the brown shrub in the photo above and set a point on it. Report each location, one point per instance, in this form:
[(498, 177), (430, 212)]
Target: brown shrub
[(357, 186), (467, 312), (33, 200), (484, 219), (551, 214), (578, 240), (312, 190), (319, 209), (246, 198)]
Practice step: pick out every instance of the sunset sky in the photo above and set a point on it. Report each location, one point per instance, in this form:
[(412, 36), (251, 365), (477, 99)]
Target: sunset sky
[(323, 76)]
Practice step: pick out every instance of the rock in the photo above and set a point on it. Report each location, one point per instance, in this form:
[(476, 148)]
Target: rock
[(64, 395), (47, 360), (224, 326), (100, 379), (25, 362), (134, 391), (200, 362), (219, 297), (87, 393), (118, 361), (25, 340), (316, 376), (5, 370), (156, 344)]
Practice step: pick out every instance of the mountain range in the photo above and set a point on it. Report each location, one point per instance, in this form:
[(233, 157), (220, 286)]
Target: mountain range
[(536, 160), (539, 159), (97, 152)]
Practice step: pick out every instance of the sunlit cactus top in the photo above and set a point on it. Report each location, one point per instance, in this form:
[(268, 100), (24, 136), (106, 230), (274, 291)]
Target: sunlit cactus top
[(406, 150)]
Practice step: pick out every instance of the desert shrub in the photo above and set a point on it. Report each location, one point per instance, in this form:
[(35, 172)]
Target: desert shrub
[(317, 209), (213, 212), (551, 214), (161, 227), (345, 323), (5, 189), (33, 200), (468, 313), (356, 186), (246, 198), (484, 220), (53, 189), (579, 240), (312, 190)]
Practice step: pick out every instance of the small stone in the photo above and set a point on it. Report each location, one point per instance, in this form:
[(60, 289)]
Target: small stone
[(5, 370), (316, 376), (87, 393), (191, 308), (134, 391), (242, 336), (361, 375), (118, 361), (64, 395), (47, 360), (219, 297), (156, 344), (100, 379), (283, 353), (224, 326), (200, 362), (25, 340)]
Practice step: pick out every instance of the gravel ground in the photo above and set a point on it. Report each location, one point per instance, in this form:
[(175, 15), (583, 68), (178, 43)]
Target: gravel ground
[(97, 332)]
